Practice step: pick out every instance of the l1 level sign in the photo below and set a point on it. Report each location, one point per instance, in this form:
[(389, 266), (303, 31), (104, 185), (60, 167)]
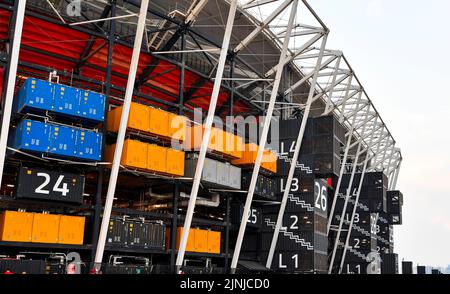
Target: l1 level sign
[(42, 184)]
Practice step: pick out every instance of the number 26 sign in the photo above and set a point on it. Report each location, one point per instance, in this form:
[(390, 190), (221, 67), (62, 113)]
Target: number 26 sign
[(42, 184)]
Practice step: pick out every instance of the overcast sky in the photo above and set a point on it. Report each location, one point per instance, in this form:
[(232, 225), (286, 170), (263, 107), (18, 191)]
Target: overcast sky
[(399, 49)]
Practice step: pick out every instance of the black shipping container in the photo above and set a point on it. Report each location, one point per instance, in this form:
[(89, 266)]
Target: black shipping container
[(301, 241), (251, 243), (352, 256), (296, 262), (156, 235), (389, 263), (304, 167), (265, 188), (326, 125), (19, 266), (296, 221), (55, 268), (295, 203), (30, 179), (436, 272), (326, 144), (328, 164), (421, 270), (407, 268), (291, 127), (394, 207), (254, 219), (123, 269), (360, 243), (117, 232), (355, 268), (136, 233), (300, 184)]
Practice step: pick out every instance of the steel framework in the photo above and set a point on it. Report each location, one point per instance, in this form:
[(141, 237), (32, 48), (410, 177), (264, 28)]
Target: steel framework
[(293, 69)]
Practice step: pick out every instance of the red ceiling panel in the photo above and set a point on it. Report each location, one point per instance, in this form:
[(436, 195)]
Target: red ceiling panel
[(60, 43)]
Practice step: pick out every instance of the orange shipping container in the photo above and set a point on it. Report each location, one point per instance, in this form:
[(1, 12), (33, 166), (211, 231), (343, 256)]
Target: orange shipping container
[(16, 226), (156, 159), (196, 135), (177, 127), (71, 230), (201, 240), (138, 118), (213, 242), (238, 147), (159, 122), (190, 246), (134, 154), (175, 162), (248, 155), (45, 228), (269, 160)]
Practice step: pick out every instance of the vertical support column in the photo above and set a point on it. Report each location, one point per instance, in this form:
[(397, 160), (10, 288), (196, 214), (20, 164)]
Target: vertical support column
[(177, 184), (227, 232), (298, 145), (232, 89), (207, 133), (7, 57), (263, 139), (229, 196), (182, 74), (11, 83), (101, 169), (347, 196), (121, 134), (344, 161), (174, 225)]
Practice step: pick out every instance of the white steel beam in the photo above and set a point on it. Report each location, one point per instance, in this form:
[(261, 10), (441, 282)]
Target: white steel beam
[(308, 76), (254, 3), (306, 47), (195, 12), (346, 96), (262, 26), (11, 83), (263, 139), (102, 19), (333, 82), (295, 156), (121, 134), (206, 135)]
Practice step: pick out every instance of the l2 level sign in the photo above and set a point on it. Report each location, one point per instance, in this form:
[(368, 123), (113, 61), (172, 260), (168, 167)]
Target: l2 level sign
[(42, 184)]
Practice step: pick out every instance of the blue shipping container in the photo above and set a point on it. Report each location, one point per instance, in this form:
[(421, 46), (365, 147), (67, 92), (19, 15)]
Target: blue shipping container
[(66, 100), (34, 95), (92, 105), (89, 145), (62, 140), (32, 136)]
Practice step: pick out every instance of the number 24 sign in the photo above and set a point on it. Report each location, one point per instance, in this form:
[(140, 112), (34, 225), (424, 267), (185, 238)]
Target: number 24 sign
[(49, 185)]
